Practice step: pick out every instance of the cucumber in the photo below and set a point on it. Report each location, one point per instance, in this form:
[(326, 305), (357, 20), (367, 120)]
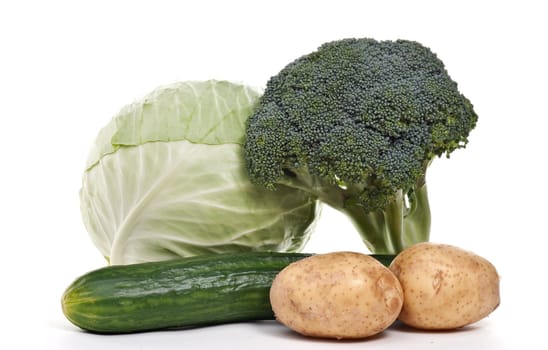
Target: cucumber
[(187, 292)]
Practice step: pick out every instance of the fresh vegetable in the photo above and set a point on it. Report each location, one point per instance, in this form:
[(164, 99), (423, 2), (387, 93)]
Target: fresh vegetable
[(184, 292), (356, 124), (445, 287), (336, 295), (166, 178)]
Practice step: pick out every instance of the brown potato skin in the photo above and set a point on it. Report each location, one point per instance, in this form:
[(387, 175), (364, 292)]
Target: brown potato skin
[(445, 287), (336, 295)]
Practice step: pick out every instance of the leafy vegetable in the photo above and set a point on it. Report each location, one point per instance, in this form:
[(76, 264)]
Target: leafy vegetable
[(166, 178), (356, 124)]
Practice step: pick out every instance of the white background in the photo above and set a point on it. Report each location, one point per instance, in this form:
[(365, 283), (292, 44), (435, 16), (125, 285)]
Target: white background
[(67, 67)]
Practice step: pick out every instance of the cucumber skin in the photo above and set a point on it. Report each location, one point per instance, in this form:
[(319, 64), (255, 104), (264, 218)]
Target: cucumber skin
[(187, 292)]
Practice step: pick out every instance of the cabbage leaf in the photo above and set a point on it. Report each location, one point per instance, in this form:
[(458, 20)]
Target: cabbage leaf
[(166, 178)]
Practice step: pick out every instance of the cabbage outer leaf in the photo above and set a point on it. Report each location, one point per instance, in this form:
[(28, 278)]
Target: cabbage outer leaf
[(166, 178)]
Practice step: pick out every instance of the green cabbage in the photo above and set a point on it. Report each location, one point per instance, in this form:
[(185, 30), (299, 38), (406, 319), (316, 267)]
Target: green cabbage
[(166, 178)]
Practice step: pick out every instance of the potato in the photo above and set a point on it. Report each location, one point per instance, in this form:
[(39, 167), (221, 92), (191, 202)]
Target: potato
[(336, 295), (445, 287)]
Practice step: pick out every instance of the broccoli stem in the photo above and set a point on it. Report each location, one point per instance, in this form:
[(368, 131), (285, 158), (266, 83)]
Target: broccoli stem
[(396, 227), (418, 219), (404, 222)]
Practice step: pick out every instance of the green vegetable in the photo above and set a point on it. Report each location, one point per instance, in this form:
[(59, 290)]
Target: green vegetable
[(356, 124), (185, 292), (166, 178)]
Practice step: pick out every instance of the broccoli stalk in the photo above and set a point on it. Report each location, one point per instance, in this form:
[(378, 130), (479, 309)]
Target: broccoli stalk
[(357, 123), (400, 224), (405, 220)]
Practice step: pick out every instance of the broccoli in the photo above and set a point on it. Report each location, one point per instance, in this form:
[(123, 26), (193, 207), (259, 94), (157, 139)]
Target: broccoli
[(357, 123)]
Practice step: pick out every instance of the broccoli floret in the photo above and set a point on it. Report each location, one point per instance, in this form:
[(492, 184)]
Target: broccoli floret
[(357, 123)]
